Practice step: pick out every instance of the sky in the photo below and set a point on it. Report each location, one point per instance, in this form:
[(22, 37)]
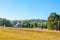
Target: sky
[(28, 9)]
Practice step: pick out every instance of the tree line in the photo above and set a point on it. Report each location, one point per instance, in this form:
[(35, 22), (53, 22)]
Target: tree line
[(33, 23), (52, 23)]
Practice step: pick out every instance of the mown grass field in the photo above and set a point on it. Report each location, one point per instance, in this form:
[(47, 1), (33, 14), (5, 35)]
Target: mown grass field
[(28, 34)]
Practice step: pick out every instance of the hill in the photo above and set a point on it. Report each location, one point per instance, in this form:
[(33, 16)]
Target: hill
[(35, 20)]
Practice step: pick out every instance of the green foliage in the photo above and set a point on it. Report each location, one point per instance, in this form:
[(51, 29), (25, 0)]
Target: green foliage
[(31, 24), (8, 24), (34, 25), (24, 23), (44, 25), (54, 22), (5, 22), (1, 21)]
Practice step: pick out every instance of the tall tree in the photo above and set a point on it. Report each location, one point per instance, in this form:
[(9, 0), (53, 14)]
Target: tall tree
[(53, 21), (8, 23)]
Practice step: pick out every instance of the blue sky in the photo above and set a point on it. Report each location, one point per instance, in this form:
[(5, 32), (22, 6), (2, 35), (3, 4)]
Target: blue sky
[(28, 9)]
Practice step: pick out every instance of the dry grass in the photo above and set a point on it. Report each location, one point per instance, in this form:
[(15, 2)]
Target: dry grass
[(28, 34)]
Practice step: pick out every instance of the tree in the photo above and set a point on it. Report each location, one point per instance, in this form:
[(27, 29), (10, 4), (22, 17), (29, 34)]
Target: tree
[(44, 25), (1, 21), (5, 22), (24, 23), (54, 21), (8, 23), (31, 24), (51, 22), (34, 25)]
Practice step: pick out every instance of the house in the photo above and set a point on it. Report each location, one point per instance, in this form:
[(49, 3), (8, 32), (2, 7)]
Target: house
[(18, 24)]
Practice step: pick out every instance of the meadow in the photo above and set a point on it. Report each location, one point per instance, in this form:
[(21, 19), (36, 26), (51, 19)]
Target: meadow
[(8, 33)]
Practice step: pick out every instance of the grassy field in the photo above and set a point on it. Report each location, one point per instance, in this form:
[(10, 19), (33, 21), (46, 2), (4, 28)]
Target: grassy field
[(28, 34)]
